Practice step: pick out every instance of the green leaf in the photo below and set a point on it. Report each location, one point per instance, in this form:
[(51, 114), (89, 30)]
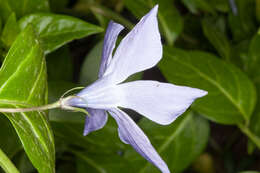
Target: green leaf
[(23, 84), (249, 172), (101, 163), (56, 90), (10, 31), (10, 143), (56, 30), (195, 5), (231, 95), (253, 59), (187, 136), (6, 163), (217, 38), (169, 17), (104, 141), (22, 7), (60, 65), (90, 68), (243, 25)]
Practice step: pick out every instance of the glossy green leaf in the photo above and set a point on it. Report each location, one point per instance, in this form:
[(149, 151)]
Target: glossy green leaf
[(6, 163), (22, 7), (179, 144), (217, 38), (23, 84), (169, 17), (10, 30), (57, 30), (231, 95)]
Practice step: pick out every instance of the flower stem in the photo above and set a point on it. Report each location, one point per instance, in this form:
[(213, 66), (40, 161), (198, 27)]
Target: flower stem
[(255, 139), (6, 164), (40, 108), (111, 14)]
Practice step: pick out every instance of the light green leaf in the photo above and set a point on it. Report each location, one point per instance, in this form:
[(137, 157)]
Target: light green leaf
[(6, 163), (23, 84), (22, 7), (231, 95), (10, 31), (57, 30), (217, 38), (178, 144), (169, 17)]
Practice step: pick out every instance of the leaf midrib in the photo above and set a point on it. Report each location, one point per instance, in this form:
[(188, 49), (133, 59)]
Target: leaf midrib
[(169, 139), (225, 93)]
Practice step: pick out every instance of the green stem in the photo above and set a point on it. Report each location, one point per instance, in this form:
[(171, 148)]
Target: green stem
[(6, 164), (250, 135), (111, 14), (40, 108)]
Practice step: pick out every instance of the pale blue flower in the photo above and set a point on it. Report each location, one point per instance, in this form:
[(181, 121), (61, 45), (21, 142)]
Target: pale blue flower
[(162, 103)]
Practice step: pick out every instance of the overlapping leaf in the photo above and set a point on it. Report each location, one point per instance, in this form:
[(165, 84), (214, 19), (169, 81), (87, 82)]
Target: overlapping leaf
[(178, 144), (22, 7), (23, 84), (57, 30), (231, 95), (169, 17)]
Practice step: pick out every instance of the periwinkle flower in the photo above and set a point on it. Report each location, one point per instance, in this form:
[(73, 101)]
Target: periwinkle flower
[(162, 103)]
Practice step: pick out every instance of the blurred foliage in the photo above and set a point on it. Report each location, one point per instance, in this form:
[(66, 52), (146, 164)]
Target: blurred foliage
[(50, 46)]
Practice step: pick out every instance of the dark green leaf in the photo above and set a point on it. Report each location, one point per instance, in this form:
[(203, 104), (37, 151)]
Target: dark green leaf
[(60, 65), (253, 59), (101, 163), (231, 95), (169, 17), (178, 144), (90, 67), (195, 5), (243, 25), (104, 141), (10, 31), (57, 30), (23, 84), (56, 90), (22, 7), (10, 143), (217, 38)]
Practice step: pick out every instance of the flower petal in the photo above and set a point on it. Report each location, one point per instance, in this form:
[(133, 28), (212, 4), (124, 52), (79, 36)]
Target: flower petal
[(160, 102), (112, 32), (95, 121), (131, 134), (99, 95), (141, 49)]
